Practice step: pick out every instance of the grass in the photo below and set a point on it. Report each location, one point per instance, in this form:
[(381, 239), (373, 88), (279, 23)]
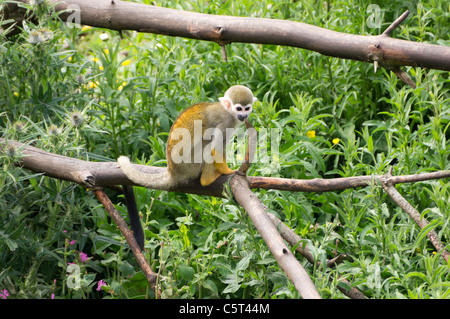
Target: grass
[(81, 96)]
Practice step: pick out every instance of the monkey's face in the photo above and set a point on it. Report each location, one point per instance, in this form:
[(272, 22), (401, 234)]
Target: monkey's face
[(241, 112), (238, 100)]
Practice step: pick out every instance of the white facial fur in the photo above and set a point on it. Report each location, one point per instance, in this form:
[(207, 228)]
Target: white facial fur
[(239, 111)]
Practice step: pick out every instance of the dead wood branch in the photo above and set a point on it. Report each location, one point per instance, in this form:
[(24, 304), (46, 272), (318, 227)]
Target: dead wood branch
[(91, 174), (285, 258), (101, 174), (332, 184), (252, 205), (293, 239), (414, 214), (395, 24), (386, 51)]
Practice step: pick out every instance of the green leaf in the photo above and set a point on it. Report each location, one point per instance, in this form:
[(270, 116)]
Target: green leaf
[(12, 244), (423, 233), (209, 284), (315, 154), (244, 262), (186, 272)]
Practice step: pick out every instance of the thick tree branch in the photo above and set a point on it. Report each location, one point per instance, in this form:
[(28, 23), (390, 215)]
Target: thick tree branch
[(285, 258), (386, 51), (101, 174)]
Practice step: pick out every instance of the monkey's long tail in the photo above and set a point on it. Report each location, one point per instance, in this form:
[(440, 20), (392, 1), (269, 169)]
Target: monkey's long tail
[(162, 181), (133, 215)]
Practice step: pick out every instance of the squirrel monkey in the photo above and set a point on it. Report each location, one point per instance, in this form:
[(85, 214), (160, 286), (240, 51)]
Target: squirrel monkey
[(195, 148), (197, 142)]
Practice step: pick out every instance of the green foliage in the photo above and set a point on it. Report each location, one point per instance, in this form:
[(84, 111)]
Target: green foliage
[(90, 94)]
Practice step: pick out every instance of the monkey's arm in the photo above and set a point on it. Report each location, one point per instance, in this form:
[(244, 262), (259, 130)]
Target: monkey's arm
[(220, 164), (211, 171)]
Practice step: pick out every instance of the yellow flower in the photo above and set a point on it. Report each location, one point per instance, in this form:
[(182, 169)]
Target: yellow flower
[(311, 134), (16, 94), (85, 28), (91, 85), (95, 60), (121, 86), (101, 68), (106, 51), (126, 62), (335, 141)]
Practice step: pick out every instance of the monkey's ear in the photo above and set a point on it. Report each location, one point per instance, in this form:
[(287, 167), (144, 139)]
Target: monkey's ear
[(226, 103)]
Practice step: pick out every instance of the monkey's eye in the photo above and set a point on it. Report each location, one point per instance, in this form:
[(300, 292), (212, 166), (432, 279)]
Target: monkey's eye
[(239, 108), (247, 108)]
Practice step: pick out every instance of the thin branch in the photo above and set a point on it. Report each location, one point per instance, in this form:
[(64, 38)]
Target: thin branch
[(251, 148), (403, 76), (293, 239), (414, 214), (320, 185), (224, 52), (126, 232), (396, 23)]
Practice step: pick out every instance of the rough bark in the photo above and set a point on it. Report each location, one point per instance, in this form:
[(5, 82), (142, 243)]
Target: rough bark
[(382, 49), (100, 174), (285, 258)]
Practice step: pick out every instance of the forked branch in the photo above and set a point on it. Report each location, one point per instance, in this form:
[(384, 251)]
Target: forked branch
[(252, 205), (285, 258), (91, 174), (108, 174)]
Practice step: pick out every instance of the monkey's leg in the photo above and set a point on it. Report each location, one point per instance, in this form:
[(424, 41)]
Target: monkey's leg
[(221, 165), (209, 174)]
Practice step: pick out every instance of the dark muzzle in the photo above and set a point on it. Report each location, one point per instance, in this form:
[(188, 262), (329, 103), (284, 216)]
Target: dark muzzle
[(242, 117)]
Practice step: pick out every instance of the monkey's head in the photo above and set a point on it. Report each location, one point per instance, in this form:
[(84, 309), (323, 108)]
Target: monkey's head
[(238, 100)]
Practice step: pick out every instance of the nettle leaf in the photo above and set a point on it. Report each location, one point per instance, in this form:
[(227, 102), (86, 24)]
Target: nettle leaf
[(186, 272)]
